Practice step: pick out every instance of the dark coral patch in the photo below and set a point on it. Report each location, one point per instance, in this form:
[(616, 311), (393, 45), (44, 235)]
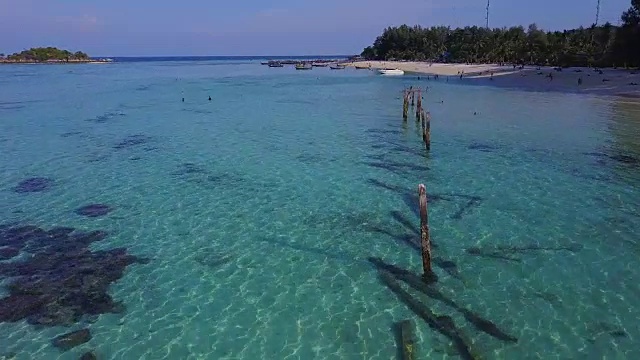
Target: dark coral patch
[(89, 355), (188, 169), (62, 280), (625, 159), (8, 252), (60, 231), (35, 184), (132, 141), (94, 210), (105, 117), (17, 236), (70, 133), (483, 147), (619, 158), (70, 340)]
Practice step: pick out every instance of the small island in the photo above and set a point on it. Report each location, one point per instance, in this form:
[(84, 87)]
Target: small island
[(49, 55)]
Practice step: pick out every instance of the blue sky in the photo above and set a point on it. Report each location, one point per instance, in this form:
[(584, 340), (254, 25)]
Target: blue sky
[(261, 27)]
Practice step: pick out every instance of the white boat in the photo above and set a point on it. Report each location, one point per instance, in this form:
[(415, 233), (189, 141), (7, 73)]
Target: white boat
[(391, 72)]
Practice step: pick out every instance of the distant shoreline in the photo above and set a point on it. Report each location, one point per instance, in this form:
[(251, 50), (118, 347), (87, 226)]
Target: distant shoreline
[(579, 80)]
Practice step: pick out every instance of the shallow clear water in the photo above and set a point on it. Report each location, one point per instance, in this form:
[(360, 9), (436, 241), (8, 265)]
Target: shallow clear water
[(259, 248)]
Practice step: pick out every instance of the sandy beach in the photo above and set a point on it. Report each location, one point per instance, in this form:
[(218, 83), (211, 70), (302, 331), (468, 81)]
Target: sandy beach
[(608, 82)]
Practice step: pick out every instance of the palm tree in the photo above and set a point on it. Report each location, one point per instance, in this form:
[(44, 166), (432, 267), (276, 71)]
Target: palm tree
[(604, 45)]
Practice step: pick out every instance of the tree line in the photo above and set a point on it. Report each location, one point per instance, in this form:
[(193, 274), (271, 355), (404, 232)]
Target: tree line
[(46, 53), (602, 46)]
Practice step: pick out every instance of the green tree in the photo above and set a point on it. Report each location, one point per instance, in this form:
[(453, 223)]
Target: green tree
[(369, 52), (604, 45), (46, 54), (627, 43), (80, 55)]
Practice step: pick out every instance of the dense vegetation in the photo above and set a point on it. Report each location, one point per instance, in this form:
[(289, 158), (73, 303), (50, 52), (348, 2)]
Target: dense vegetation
[(45, 54), (605, 45)]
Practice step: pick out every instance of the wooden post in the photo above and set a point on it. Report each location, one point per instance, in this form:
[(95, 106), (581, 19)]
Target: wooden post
[(425, 239), (419, 108), (405, 106), (407, 338), (427, 129), (422, 126)]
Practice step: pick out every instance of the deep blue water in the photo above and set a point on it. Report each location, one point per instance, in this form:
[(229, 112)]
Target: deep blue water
[(257, 213), (221, 58)]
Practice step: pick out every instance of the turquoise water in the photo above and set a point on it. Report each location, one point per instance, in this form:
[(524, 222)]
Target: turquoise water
[(259, 209)]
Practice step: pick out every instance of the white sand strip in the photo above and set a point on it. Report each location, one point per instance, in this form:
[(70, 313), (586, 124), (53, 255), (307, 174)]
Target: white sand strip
[(611, 82)]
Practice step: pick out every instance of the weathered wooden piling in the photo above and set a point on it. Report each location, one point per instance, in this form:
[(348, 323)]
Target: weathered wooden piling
[(409, 92), (407, 339), (405, 106), (427, 131), (425, 238), (419, 104), (422, 124)]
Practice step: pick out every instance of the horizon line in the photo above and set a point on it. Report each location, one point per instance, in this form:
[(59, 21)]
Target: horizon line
[(254, 56)]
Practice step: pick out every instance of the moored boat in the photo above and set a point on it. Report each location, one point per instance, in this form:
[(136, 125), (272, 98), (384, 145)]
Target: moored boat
[(391, 72), (337, 67), (362, 67), (319, 64), (303, 66), (275, 64)]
